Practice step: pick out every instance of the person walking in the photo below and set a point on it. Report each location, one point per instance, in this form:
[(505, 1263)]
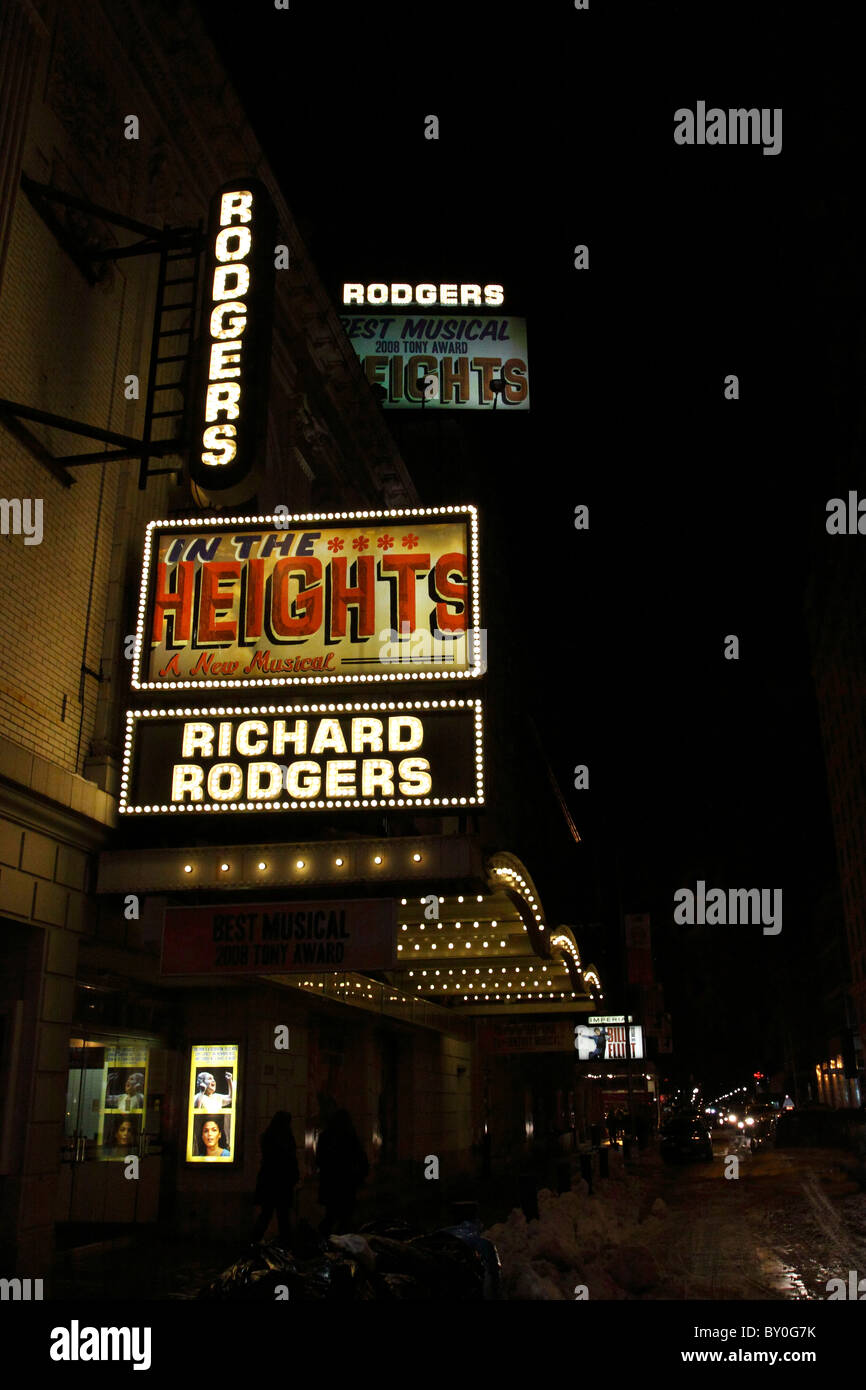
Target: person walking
[(278, 1177), (343, 1166), (612, 1126)]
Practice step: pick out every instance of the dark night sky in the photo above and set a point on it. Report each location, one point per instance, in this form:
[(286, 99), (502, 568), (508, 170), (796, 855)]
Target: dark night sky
[(556, 127)]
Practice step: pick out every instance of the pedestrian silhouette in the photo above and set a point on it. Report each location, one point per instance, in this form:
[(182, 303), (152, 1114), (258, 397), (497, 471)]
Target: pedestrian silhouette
[(343, 1166), (278, 1176)]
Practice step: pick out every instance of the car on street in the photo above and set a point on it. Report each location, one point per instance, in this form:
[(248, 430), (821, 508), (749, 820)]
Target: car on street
[(686, 1136), (758, 1125)]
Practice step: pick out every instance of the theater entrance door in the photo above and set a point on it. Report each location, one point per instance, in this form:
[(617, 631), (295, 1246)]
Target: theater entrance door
[(111, 1156)]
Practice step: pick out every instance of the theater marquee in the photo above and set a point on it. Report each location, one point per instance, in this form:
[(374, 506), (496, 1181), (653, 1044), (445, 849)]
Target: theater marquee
[(312, 599), (304, 757)]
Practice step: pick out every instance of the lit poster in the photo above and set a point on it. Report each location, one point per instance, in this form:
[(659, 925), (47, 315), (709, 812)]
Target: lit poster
[(430, 359), (606, 1042), (212, 1104), (124, 1100)]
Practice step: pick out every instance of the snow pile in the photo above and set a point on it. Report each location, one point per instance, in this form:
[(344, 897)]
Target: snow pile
[(598, 1241)]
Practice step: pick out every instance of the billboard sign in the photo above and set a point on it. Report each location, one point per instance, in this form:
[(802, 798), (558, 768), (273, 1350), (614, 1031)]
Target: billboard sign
[(303, 757), (249, 938), (606, 1042), (434, 360), (313, 599)]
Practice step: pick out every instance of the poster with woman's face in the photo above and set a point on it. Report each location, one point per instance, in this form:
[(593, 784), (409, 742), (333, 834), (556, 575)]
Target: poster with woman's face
[(212, 1136), (121, 1136), (212, 1103)]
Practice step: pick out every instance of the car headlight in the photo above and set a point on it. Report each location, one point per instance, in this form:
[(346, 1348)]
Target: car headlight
[(732, 1119), (739, 1124), (749, 1120)]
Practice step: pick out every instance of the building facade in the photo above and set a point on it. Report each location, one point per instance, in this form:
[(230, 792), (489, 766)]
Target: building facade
[(130, 1094), (837, 634)]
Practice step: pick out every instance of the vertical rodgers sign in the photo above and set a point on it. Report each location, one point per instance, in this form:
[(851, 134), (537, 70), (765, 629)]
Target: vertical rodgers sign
[(235, 342), (435, 358)]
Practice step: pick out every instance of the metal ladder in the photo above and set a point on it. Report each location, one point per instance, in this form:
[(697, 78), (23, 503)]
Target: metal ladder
[(172, 342)]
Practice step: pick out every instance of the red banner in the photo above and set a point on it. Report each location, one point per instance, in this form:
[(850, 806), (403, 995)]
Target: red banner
[(280, 938)]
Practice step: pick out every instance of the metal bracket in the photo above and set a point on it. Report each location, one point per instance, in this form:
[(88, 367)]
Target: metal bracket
[(155, 241)]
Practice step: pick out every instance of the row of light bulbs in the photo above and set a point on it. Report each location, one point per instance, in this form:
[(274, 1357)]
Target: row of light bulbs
[(300, 805), (525, 892), (376, 678), (467, 944), (503, 970), (616, 1076), (498, 998), (339, 862), (376, 706), (282, 523), (440, 926), (424, 901)]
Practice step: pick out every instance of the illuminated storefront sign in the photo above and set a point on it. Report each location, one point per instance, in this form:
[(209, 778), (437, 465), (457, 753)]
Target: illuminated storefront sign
[(304, 757), (235, 337), (315, 599), (424, 294), (430, 360), (607, 1042), (248, 938), (212, 1103)]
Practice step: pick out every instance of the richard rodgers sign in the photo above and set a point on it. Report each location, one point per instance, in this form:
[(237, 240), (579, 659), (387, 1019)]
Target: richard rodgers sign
[(280, 758)]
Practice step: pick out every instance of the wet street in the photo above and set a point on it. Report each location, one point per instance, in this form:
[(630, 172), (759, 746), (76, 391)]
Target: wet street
[(791, 1220)]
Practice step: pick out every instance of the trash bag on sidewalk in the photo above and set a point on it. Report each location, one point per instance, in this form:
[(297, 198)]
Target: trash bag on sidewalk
[(448, 1265), (460, 1271), (270, 1273), (391, 1228), (470, 1233), (354, 1248), (255, 1276)]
